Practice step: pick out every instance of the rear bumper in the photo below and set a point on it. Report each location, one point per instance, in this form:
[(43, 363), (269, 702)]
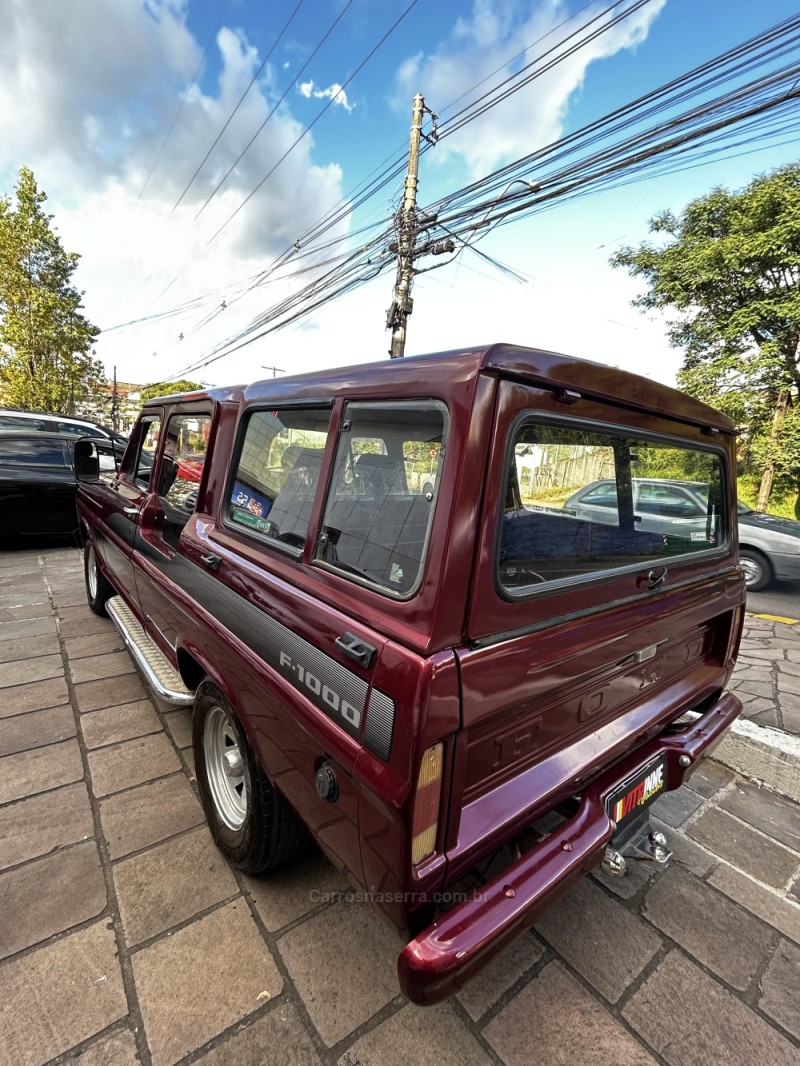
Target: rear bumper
[(451, 951)]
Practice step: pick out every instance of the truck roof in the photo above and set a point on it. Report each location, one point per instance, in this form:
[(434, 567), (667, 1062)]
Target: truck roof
[(445, 374)]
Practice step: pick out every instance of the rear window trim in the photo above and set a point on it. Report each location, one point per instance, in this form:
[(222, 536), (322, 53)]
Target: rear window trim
[(533, 592)]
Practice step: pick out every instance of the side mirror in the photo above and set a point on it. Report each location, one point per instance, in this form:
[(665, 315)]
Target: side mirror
[(87, 460)]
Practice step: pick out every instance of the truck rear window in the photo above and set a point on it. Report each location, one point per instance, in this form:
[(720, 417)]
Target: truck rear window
[(379, 508), (579, 501)]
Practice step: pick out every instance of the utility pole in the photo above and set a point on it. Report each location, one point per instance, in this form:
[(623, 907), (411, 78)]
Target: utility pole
[(275, 370), (402, 304), (115, 404)]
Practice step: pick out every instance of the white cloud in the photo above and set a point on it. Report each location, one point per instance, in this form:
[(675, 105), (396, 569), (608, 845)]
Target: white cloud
[(334, 92), (496, 41), (88, 92)]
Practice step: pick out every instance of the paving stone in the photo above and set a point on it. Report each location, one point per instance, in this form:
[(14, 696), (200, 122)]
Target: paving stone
[(179, 725), (492, 983), (24, 671), (28, 627), (52, 894), (28, 647), (708, 925), (113, 1049), (166, 884), (96, 644), (636, 876), (709, 777), (744, 848), (342, 988), (779, 818), (690, 1020), (35, 697), (39, 769), (278, 1038), (36, 729), (152, 812), (286, 894), (201, 980), (794, 890), (554, 1020), (109, 692), (780, 988), (428, 1036), (605, 943), (35, 826), (79, 616), (113, 724), (778, 912), (59, 995), (131, 763), (26, 612), (96, 667), (676, 806)]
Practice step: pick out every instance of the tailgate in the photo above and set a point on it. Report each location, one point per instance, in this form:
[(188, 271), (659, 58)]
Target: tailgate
[(543, 712)]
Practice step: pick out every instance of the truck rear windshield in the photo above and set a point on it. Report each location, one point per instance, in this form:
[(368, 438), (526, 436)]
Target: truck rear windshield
[(579, 501), (378, 511)]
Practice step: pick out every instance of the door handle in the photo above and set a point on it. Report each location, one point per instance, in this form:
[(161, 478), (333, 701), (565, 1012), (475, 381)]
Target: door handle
[(356, 649), (130, 510)]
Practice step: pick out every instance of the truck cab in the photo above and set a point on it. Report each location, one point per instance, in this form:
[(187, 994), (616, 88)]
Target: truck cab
[(417, 678)]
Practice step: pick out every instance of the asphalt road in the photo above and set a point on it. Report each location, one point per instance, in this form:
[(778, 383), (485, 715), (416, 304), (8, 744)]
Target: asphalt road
[(781, 599)]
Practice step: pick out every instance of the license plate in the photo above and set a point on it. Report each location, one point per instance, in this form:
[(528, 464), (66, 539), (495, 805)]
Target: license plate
[(638, 792)]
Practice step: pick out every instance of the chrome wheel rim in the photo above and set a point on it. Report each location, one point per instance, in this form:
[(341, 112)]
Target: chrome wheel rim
[(91, 574), (225, 768), (751, 570)]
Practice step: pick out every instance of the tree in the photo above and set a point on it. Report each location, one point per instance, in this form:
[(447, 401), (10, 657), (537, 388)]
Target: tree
[(45, 342), (165, 388), (730, 268)]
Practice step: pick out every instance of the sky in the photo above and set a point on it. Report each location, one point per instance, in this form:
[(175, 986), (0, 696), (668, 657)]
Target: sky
[(179, 189)]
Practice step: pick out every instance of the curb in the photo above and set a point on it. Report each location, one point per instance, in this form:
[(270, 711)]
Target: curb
[(765, 755)]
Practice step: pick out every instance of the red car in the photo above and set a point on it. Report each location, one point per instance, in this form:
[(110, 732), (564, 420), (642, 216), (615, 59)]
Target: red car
[(415, 679)]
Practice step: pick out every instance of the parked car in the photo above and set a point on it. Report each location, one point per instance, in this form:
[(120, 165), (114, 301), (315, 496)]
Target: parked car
[(769, 546), (417, 679), (37, 482), (43, 421)]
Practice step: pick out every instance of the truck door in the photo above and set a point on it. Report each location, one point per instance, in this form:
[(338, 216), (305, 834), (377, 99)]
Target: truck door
[(170, 503), (117, 503)]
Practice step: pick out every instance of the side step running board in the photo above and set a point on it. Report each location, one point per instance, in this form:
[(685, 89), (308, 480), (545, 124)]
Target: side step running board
[(159, 672)]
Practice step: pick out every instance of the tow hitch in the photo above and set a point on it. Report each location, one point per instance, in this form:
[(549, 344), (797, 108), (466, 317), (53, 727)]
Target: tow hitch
[(637, 841)]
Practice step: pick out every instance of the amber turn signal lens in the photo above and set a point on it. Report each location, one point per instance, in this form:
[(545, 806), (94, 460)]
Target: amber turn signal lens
[(426, 804)]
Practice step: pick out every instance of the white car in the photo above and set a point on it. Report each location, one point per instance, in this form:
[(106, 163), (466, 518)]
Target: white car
[(769, 546)]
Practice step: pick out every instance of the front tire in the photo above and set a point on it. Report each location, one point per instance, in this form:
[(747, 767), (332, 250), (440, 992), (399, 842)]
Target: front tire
[(757, 570), (251, 824), (98, 589)]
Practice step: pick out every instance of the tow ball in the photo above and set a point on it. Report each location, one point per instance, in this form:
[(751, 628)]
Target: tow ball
[(639, 842)]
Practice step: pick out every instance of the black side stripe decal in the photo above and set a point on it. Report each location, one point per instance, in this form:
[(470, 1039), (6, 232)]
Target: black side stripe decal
[(336, 691)]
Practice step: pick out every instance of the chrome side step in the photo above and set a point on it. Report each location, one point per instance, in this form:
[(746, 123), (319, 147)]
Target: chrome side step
[(159, 672)]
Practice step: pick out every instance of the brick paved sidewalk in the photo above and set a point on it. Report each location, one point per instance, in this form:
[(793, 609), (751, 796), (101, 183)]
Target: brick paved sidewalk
[(125, 938)]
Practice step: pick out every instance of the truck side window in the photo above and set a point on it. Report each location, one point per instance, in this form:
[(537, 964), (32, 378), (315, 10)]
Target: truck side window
[(379, 509), (277, 476), (145, 457), (181, 469), (586, 501)]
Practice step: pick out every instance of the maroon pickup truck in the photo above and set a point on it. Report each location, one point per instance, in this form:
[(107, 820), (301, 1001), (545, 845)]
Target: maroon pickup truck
[(399, 638)]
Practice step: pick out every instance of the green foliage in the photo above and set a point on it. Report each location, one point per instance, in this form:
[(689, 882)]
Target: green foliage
[(730, 267), (167, 388), (45, 358)]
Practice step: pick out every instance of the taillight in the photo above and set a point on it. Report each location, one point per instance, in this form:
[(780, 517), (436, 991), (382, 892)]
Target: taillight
[(426, 805)]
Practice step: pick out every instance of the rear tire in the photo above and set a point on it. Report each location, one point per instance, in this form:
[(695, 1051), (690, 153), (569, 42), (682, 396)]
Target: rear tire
[(251, 824), (757, 570), (98, 589)]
